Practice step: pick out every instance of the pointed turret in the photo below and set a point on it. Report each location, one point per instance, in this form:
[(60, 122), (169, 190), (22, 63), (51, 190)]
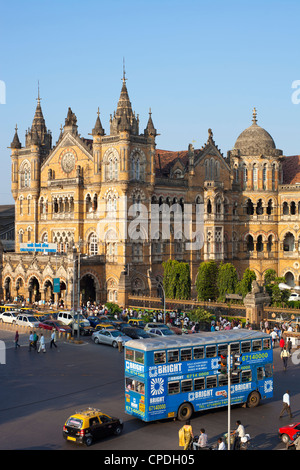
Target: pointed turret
[(38, 133), (16, 144), (124, 118), (71, 122), (150, 129), (98, 129)]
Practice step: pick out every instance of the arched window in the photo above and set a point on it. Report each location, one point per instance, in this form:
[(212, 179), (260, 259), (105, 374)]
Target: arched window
[(25, 175), (254, 176), (289, 242), (93, 244), (265, 176)]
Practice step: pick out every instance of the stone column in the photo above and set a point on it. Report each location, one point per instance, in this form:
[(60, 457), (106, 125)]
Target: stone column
[(254, 303)]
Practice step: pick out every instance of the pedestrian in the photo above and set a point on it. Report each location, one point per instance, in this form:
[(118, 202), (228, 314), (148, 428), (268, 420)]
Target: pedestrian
[(286, 407), (17, 340), (221, 444), (42, 346), (289, 345), (239, 433), (53, 339), (281, 343), (186, 435), (274, 337), (35, 339), (30, 341), (284, 356)]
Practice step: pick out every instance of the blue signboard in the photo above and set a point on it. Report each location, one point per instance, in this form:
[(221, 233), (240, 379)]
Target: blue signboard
[(56, 285)]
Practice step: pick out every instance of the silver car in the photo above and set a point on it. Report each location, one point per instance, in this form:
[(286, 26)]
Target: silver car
[(160, 332), (110, 337), (9, 316)]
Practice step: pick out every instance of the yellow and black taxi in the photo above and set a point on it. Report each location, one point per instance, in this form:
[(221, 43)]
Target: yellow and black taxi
[(89, 425)]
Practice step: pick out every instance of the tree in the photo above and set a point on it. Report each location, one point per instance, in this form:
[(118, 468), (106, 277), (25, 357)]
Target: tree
[(200, 315), (245, 285), (206, 283), (227, 280), (270, 276), (177, 280)]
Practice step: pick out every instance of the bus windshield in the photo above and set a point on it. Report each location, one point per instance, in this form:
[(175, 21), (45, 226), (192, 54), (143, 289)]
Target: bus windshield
[(183, 374)]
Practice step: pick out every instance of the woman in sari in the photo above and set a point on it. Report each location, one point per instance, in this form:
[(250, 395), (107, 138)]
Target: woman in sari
[(185, 436)]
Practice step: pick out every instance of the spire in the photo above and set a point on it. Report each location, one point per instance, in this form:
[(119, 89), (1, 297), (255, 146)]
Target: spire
[(150, 129), (71, 122), (254, 114), (98, 129), (124, 118), (16, 144)]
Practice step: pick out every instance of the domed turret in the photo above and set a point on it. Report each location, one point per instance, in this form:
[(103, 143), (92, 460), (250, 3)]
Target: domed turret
[(255, 141)]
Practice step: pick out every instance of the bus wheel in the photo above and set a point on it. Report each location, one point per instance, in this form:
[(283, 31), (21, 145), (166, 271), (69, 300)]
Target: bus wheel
[(185, 411), (253, 399)]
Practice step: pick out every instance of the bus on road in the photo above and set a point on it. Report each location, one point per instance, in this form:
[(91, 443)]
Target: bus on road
[(178, 375)]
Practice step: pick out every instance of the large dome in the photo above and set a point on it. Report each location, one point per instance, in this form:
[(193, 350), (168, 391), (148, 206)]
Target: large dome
[(254, 140)]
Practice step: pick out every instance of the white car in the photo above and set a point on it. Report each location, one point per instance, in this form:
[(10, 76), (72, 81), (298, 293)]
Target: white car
[(294, 296), (9, 316), (160, 332), (110, 337), (27, 320)]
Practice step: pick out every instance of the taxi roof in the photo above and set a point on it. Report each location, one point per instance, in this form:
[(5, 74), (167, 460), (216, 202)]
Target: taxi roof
[(195, 339)]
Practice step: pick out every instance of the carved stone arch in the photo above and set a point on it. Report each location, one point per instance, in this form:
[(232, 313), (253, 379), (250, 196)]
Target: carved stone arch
[(111, 151), (138, 151)]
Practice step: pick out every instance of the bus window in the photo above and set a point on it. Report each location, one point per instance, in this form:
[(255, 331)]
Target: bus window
[(129, 354), (211, 381), (160, 357), (246, 376), (222, 349), (139, 357), (235, 348), (173, 388), (211, 351), (135, 386), (199, 352), (186, 386), (199, 384), (260, 373), (245, 346), (256, 345), (267, 343), (268, 370), (173, 355), (186, 354), (223, 380)]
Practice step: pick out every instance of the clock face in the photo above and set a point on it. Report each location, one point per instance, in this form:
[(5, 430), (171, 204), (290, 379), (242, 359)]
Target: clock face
[(68, 162)]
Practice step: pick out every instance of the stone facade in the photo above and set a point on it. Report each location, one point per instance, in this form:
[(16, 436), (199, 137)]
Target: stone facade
[(77, 194)]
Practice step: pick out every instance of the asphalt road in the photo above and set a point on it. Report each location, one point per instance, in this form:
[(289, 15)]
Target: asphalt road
[(40, 391)]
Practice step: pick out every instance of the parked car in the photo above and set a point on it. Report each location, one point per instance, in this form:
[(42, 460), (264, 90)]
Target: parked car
[(161, 332), (56, 324), (148, 326), (84, 325), (9, 316), (135, 333), (110, 337), (89, 425), (94, 321), (65, 317), (287, 433), (118, 324), (26, 320), (136, 322), (104, 326), (294, 297)]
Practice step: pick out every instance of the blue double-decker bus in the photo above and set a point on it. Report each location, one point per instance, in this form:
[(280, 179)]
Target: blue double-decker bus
[(178, 375)]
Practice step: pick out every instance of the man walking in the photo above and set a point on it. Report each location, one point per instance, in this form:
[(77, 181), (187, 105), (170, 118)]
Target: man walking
[(284, 356), (286, 405), (53, 338)]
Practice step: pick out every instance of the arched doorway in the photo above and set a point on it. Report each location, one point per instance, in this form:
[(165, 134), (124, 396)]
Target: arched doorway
[(87, 289), (34, 290), (7, 288), (48, 291), (290, 279)]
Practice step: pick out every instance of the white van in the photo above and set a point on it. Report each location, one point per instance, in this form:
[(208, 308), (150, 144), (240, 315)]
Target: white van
[(294, 296), (65, 317)]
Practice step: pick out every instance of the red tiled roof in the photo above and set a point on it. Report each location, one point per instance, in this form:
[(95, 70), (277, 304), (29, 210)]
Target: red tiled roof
[(165, 159), (291, 169)]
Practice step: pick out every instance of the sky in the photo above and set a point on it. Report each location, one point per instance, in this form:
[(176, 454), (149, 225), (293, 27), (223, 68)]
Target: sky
[(197, 65)]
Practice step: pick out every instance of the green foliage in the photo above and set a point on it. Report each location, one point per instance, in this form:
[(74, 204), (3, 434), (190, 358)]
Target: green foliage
[(270, 276), (244, 286), (113, 308), (206, 283), (200, 315), (177, 280), (227, 280)]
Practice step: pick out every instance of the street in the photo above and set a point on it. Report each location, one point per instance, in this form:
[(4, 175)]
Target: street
[(40, 391)]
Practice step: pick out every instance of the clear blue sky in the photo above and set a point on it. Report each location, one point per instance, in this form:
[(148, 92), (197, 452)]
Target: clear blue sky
[(197, 64)]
